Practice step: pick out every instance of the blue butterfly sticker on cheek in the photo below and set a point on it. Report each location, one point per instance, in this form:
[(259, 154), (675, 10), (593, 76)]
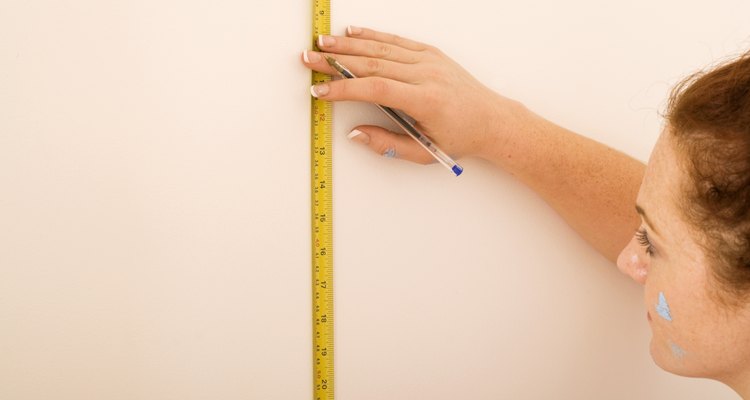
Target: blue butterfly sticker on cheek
[(677, 351), (663, 308)]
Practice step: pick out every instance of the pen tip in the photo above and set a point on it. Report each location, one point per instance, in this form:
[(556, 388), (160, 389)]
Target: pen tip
[(331, 60)]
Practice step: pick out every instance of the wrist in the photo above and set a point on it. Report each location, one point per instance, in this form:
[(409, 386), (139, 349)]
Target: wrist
[(505, 126)]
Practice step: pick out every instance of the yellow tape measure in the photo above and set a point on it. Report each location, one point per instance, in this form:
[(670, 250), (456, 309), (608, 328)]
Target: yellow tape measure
[(322, 222)]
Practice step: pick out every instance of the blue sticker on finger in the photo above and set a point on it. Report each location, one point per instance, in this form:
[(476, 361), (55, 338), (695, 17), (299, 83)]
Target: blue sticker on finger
[(390, 153)]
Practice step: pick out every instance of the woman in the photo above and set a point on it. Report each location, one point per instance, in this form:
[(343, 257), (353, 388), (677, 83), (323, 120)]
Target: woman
[(689, 209)]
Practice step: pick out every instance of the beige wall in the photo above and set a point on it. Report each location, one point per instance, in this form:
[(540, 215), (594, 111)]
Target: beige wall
[(154, 205)]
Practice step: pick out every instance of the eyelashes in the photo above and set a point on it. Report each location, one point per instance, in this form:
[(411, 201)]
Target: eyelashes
[(642, 236)]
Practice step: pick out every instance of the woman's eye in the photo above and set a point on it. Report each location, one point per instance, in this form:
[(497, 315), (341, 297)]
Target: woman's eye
[(642, 237)]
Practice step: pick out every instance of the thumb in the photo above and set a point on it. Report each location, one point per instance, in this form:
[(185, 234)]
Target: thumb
[(390, 144)]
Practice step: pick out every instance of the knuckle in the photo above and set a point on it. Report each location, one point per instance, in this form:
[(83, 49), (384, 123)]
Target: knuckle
[(432, 100), (341, 89), (373, 66), (379, 88), (419, 45), (385, 149), (383, 50), (433, 50), (412, 59), (433, 74)]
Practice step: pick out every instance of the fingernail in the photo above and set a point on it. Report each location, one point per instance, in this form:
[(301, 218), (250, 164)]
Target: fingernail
[(353, 30), (319, 90), (326, 41), (310, 56), (359, 136)]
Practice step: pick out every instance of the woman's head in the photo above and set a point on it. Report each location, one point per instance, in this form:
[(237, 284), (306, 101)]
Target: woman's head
[(692, 251)]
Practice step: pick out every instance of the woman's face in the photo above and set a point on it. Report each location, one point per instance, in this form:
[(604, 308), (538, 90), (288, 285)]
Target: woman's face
[(693, 334)]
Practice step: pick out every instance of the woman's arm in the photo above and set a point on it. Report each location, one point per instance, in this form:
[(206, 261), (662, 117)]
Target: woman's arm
[(592, 186)]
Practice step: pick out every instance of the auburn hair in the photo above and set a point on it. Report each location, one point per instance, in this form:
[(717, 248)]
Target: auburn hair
[(709, 115)]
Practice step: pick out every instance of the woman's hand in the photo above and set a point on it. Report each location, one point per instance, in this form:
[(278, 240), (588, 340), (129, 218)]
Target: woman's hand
[(458, 113), (590, 185)]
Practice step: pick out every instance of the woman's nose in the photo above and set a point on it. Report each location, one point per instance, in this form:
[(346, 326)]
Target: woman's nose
[(633, 261)]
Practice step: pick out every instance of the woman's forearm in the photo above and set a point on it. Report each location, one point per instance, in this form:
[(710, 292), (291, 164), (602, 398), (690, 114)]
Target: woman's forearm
[(592, 186)]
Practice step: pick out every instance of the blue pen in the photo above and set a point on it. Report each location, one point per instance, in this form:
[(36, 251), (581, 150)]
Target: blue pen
[(402, 120)]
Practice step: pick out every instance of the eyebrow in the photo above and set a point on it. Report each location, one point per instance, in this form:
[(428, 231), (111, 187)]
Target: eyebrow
[(640, 211)]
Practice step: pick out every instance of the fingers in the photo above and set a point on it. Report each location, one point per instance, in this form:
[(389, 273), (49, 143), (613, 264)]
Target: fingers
[(367, 48), (362, 66), (390, 144), (374, 89), (365, 33), (367, 52)]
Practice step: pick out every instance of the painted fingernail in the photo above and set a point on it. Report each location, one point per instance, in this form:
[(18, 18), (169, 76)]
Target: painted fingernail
[(310, 56), (326, 41), (353, 30), (390, 153), (359, 136), (319, 90)]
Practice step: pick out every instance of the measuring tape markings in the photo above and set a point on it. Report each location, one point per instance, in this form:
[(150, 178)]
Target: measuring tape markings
[(322, 222)]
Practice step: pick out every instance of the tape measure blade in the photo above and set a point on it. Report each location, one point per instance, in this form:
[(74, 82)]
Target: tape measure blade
[(322, 222)]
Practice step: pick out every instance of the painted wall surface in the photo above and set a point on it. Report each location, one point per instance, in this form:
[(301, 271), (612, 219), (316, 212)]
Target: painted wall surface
[(154, 205)]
